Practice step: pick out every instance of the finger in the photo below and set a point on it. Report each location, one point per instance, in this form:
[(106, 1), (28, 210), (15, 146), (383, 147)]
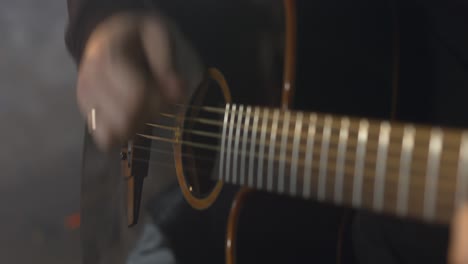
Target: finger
[(91, 81), (113, 86), (128, 98), (458, 250), (99, 121), (155, 41), (95, 103), (102, 133)]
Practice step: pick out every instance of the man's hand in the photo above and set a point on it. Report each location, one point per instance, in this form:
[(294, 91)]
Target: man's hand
[(458, 251), (126, 73)]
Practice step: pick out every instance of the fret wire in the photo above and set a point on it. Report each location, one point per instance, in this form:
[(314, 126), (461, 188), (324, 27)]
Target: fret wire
[(450, 157), (380, 168), (244, 144), (412, 151), (392, 153), (343, 138), (444, 201), (359, 169), (392, 180), (309, 156), (262, 148), (336, 127), (282, 160), (271, 158), (433, 165), (252, 146), (442, 216), (236, 144), (450, 142), (416, 186), (405, 169), (447, 169), (229, 143), (295, 157), (324, 157), (223, 140), (391, 171), (394, 136), (462, 171)]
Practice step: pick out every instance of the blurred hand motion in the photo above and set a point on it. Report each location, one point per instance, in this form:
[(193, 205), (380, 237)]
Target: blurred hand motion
[(126, 73)]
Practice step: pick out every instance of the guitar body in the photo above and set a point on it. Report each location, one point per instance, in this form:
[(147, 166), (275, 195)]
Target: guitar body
[(308, 68), (358, 59), (246, 228)]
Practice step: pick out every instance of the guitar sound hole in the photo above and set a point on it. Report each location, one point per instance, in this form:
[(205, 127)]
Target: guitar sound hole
[(201, 140)]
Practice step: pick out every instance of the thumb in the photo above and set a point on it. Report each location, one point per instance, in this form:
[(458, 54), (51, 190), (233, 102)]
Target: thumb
[(458, 249), (156, 45)]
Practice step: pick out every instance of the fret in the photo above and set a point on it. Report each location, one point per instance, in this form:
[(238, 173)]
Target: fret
[(359, 168), (324, 158), (223, 139), (462, 171), (405, 169), (236, 143), (309, 155), (271, 155), (432, 175), (295, 156), (282, 161), (278, 151), (340, 160), (229, 142), (244, 143), (252, 145), (262, 149), (380, 168)]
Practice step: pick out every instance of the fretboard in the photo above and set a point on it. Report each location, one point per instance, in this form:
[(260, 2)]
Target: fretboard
[(402, 169)]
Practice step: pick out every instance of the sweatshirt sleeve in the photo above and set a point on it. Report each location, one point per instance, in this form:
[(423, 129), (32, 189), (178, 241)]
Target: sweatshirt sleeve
[(197, 20), (85, 15), (229, 35)]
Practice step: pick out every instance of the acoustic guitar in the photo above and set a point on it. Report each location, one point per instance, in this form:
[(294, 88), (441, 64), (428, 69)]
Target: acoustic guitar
[(404, 169)]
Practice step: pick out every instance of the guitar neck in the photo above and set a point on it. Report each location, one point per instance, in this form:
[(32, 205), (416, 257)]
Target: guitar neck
[(401, 169)]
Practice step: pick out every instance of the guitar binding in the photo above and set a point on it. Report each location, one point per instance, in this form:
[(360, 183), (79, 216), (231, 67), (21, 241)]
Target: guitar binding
[(197, 168)]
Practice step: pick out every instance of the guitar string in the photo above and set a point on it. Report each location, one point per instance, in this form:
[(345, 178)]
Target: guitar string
[(417, 186), (449, 141), (444, 201), (392, 159), (222, 111), (370, 146), (390, 190), (416, 156), (393, 167)]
